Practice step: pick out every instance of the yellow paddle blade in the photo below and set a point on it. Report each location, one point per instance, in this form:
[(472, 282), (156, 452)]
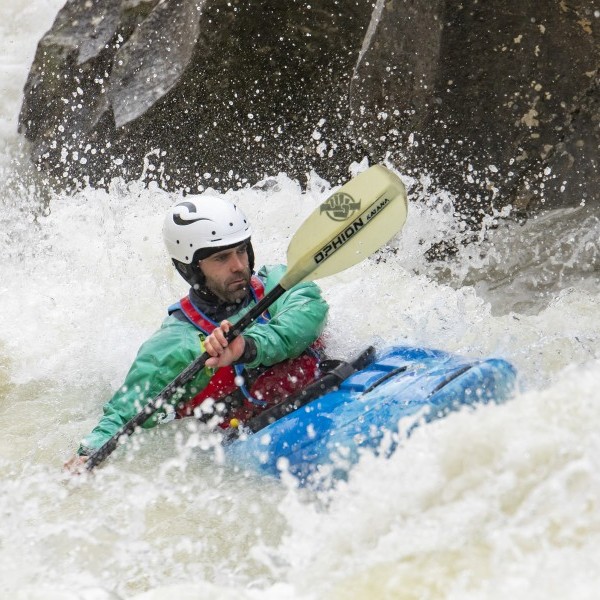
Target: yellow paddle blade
[(350, 225)]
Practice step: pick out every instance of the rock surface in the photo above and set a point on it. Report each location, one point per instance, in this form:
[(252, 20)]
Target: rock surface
[(502, 97), (496, 101)]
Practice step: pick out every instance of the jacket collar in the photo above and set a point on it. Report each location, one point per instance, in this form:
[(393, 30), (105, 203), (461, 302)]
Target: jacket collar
[(215, 308)]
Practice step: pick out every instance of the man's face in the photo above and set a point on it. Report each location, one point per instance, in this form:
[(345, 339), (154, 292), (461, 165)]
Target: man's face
[(228, 273)]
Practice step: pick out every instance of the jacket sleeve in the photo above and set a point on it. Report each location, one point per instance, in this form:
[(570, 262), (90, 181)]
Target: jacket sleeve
[(297, 320), (159, 360)]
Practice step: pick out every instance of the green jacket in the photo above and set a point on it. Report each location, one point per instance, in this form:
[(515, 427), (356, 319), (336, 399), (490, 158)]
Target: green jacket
[(297, 319)]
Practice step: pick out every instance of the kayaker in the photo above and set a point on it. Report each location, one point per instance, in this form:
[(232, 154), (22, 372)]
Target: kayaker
[(209, 241)]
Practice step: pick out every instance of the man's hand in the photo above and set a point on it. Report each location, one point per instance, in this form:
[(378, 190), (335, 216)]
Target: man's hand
[(76, 464), (223, 354)]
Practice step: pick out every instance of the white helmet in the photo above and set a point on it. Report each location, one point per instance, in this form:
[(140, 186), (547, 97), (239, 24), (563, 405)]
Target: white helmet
[(198, 223)]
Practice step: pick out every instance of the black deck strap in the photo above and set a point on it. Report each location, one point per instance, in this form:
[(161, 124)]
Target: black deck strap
[(328, 382)]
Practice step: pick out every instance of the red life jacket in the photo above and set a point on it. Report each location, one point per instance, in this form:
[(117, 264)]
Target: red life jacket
[(246, 392)]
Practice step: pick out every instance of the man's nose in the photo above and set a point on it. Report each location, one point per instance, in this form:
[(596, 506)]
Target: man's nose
[(237, 263)]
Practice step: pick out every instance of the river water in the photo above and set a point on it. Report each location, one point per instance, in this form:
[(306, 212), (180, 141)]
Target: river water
[(503, 501)]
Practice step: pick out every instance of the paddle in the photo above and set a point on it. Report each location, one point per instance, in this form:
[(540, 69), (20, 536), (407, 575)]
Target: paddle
[(350, 225)]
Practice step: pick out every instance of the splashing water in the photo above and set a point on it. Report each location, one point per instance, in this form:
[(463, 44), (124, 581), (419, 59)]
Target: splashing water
[(489, 503)]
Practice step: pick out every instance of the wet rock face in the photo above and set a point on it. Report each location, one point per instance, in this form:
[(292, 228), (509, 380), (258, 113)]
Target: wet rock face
[(501, 97), (497, 101), (194, 92)]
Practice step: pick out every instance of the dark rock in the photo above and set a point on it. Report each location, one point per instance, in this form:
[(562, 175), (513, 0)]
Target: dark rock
[(153, 59), (231, 89), (496, 101)]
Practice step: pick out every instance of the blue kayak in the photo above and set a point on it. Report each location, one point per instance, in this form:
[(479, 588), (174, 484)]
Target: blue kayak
[(322, 438)]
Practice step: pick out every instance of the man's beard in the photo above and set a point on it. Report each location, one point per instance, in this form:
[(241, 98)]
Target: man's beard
[(233, 289)]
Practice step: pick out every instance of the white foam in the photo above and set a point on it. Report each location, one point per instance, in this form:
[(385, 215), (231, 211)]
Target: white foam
[(484, 504)]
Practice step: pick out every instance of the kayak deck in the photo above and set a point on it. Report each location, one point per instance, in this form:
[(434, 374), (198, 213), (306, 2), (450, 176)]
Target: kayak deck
[(324, 439)]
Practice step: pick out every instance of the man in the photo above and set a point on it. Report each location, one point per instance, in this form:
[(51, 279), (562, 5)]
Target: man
[(209, 242)]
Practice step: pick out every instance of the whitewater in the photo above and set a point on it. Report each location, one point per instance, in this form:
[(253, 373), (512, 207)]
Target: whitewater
[(501, 501)]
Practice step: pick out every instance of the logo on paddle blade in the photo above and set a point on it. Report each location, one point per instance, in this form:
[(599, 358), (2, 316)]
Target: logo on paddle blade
[(340, 206), (351, 229)]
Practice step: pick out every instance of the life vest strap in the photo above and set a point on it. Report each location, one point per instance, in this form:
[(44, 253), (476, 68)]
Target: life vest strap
[(207, 325), (273, 382)]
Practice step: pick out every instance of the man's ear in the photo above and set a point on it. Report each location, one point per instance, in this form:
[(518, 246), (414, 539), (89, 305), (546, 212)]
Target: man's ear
[(250, 252)]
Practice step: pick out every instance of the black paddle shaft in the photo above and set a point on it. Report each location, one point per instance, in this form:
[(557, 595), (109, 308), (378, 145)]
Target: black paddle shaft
[(182, 379)]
